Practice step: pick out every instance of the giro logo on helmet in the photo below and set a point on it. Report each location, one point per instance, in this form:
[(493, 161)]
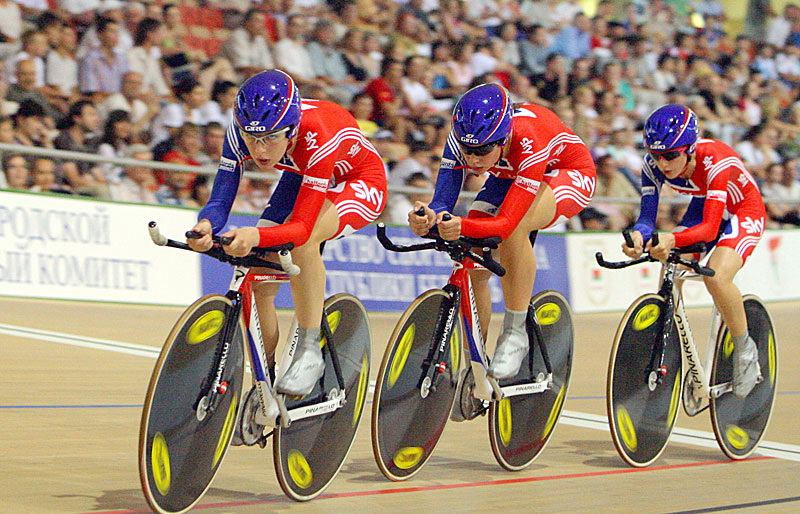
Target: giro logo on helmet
[(251, 128), (469, 140)]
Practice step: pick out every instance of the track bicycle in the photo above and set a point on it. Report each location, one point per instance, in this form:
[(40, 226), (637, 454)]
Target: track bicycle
[(421, 381), (644, 384), (194, 404)]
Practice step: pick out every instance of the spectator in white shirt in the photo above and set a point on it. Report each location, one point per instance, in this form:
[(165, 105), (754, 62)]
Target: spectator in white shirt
[(246, 48), (138, 185), (291, 54), (145, 57)]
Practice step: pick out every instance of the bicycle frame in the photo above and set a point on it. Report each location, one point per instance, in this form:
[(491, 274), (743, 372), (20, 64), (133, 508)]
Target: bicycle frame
[(240, 293), (701, 380), (459, 287), (670, 290)]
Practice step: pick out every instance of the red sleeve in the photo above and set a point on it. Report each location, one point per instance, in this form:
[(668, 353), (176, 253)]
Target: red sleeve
[(304, 215), (713, 209), (519, 199)]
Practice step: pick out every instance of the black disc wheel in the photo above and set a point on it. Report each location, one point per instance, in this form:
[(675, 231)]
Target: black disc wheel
[(740, 423), (310, 452), (521, 425), (408, 416), (183, 436), (642, 410)]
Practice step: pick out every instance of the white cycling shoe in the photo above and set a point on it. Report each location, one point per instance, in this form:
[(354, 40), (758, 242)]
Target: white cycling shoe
[(307, 367), (512, 347), (746, 370)]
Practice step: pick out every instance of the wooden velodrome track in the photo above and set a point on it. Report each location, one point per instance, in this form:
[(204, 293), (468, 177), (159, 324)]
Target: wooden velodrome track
[(71, 401)]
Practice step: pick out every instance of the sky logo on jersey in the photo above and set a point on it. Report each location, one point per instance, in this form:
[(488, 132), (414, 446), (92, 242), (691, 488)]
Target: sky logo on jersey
[(528, 184), (448, 164), (226, 164), (648, 190), (315, 183), (753, 226)]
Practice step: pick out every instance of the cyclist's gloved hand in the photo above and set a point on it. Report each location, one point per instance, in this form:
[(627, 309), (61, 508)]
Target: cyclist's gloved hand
[(421, 225), (449, 230), (244, 239), (638, 247), (204, 243), (666, 242)]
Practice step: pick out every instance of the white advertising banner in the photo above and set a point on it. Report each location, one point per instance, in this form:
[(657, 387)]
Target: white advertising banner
[(78, 249), (769, 273)]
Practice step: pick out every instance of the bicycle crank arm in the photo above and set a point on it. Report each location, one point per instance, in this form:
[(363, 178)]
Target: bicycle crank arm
[(336, 401), (529, 388), (720, 389)]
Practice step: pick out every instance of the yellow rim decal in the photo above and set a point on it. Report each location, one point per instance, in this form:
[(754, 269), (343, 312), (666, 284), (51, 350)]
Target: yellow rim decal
[(737, 437), (548, 313), (299, 469), (504, 420), (408, 457), (333, 322), (455, 350), (773, 359), (224, 436), (401, 354), (363, 379), (626, 430), (551, 419), (205, 327), (162, 474), (646, 316), (673, 402), (727, 345)]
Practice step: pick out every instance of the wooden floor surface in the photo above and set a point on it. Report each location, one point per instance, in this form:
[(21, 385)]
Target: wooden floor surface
[(71, 400)]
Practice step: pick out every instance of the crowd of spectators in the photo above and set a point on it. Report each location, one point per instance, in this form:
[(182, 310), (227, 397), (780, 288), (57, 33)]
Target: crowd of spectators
[(156, 80)]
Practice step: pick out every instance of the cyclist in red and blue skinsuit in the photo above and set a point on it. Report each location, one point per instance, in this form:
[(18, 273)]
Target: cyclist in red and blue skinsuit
[(541, 174), (726, 212), (333, 183)]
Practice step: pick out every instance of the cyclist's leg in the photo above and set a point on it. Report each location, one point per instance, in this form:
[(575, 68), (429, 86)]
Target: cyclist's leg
[(308, 296), (486, 205), (733, 249), (349, 206), (562, 194)]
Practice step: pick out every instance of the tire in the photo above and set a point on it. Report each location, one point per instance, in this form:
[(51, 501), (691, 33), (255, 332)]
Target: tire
[(405, 426), (520, 426), (179, 454), (310, 452), (641, 419), (740, 424)]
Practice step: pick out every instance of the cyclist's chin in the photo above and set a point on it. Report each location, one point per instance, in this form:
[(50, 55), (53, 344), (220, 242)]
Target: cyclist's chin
[(264, 163)]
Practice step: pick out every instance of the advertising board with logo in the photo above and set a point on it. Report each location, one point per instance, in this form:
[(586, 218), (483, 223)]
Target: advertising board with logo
[(77, 249), (767, 274)]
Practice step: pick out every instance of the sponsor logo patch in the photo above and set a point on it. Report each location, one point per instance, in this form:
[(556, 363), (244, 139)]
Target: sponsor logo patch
[(528, 184), (226, 164), (317, 184), (448, 164), (720, 196), (648, 190)]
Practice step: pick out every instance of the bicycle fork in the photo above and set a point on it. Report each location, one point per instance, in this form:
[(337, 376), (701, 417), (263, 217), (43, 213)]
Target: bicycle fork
[(434, 365), (217, 387)]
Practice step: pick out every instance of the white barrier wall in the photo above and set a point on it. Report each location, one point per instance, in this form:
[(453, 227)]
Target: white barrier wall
[(770, 273), (78, 249)]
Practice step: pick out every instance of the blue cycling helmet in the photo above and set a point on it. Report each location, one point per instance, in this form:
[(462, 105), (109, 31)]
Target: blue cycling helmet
[(483, 115), (266, 102), (669, 127)]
